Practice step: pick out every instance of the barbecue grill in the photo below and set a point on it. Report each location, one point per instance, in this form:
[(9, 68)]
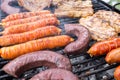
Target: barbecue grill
[(83, 65)]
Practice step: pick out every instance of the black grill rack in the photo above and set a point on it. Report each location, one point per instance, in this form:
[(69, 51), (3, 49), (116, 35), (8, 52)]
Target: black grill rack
[(83, 65)]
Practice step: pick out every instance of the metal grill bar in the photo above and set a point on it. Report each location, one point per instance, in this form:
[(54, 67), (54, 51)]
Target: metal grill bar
[(98, 70), (90, 67), (85, 61)]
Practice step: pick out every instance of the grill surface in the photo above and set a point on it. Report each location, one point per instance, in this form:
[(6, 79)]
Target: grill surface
[(83, 65)]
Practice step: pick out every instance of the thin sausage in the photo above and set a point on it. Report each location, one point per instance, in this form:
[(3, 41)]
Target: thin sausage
[(26, 20), (24, 15), (12, 52), (30, 26), (30, 35)]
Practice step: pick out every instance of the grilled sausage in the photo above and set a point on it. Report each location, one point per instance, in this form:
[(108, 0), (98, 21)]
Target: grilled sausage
[(35, 59), (113, 56), (7, 8), (83, 38), (24, 15), (14, 51), (30, 35), (55, 74), (117, 73), (30, 26), (103, 47), (26, 20)]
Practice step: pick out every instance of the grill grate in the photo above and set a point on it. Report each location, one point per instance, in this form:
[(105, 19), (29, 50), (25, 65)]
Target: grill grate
[(83, 65)]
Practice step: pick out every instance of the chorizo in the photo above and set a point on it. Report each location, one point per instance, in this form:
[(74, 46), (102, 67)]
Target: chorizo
[(14, 51), (117, 73), (26, 20), (24, 15), (29, 26), (103, 47), (113, 56), (30, 35)]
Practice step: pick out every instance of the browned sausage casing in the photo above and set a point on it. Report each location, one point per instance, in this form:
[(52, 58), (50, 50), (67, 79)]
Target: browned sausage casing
[(14, 51), (83, 38), (41, 58), (113, 56), (30, 35), (117, 73), (55, 74)]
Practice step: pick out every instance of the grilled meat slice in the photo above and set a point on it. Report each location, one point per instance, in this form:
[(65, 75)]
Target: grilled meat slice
[(99, 29), (112, 17), (68, 8), (34, 5), (73, 8)]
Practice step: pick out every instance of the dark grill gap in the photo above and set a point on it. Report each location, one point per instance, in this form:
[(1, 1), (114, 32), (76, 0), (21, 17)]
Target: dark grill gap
[(83, 65)]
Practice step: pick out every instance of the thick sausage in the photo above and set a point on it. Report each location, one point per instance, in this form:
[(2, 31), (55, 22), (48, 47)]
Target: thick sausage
[(35, 59), (113, 56), (117, 73), (30, 35), (55, 74), (103, 47), (82, 34), (14, 51), (7, 8)]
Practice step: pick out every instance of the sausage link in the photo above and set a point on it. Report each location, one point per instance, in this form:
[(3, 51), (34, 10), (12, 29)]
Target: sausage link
[(35, 59), (113, 56), (30, 26), (26, 20), (103, 47), (30, 35), (117, 73), (35, 45), (24, 15)]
